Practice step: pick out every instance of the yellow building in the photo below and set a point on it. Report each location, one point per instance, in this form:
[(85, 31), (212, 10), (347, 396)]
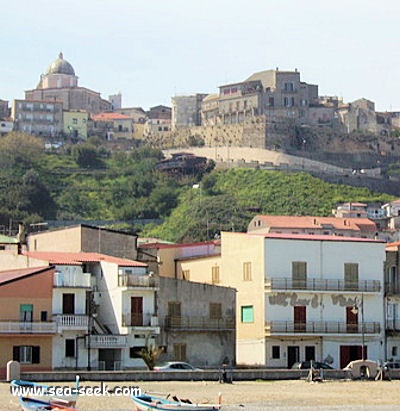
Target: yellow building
[(75, 124)]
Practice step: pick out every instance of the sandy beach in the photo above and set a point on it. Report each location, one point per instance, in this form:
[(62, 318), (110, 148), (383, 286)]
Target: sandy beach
[(249, 396)]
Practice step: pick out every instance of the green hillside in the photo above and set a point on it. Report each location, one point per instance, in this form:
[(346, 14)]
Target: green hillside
[(227, 200), (88, 182)]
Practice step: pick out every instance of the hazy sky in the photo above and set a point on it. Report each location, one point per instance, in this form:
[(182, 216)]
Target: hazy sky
[(150, 50)]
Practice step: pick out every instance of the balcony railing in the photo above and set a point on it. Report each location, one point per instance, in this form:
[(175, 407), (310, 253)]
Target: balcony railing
[(199, 323), (321, 327), (316, 284), (72, 280), (72, 321), (393, 325), (139, 320), (15, 327), (108, 341), (132, 280)]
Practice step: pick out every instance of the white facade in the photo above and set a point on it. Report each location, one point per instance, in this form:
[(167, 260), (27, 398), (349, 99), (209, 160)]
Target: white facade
[(326, 297), (321, 297)]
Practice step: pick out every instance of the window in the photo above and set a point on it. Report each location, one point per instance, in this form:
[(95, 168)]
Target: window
[(74, 121), (134, 352), (26, 354), (186, 275), (299, 274), (351, 276), (215, 274), (276, 352), (271, 101), (180, 352), (43, 316), (247, 314), (289, 86), (26, 312), (394, 351), (247, 271), (70, 347), (215, 311)]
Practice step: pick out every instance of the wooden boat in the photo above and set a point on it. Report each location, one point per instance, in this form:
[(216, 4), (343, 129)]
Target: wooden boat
[(146, 402), (33, 404), (29, 389)]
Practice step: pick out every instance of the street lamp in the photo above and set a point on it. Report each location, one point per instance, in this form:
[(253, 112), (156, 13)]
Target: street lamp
[(357, 306)]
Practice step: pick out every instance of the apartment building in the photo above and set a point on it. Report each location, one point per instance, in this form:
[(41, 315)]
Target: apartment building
[(38, 117), (27, 328)]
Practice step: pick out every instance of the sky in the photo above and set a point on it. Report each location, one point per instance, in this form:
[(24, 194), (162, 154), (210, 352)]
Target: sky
[(151, 50)]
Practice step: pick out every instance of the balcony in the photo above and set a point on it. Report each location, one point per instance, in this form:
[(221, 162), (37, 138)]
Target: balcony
[(320, 327), (133, 281), (72, 280), (393, 325), (199, 323), (316, 284), (144, 322), (71, 321), (107, 341), (15, 327)]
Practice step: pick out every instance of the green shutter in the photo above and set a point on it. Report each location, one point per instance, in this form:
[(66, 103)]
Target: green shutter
[(247, 314)]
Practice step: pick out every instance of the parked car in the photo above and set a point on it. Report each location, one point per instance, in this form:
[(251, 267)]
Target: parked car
[(391, 364), (306, 365), (176, 366)]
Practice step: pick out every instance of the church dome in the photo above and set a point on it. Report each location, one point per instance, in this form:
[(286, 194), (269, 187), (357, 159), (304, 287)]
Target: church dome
[(61, 66)]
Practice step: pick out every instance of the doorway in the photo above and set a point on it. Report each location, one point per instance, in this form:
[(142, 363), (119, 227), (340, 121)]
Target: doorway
[(293, 355)]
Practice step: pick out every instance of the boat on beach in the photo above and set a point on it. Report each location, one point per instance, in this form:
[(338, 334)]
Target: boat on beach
[(33, 404), (146, 402), (45, 393)]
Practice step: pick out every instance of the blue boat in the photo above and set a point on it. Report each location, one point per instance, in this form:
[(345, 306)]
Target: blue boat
[(146, 402), (43, 392)]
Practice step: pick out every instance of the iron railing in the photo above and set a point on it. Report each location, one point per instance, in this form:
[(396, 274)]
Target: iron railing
[(316, 284), (321, 327), (198, 323)]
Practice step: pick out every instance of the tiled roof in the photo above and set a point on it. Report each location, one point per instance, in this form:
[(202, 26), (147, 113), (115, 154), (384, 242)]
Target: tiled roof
[(110, 116), (318, 237), (19, 273), (159, 245), (65, 258), (310, 222)]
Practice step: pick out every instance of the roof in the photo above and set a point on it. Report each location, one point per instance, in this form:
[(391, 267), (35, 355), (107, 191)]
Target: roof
[(159, 245), (110, 116), (310, 222), (61, 66), (320, 237), (66, 258), (20, 273), (4, 239), (87, 226)]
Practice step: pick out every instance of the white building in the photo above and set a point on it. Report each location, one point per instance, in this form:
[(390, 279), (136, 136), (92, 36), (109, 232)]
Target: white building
[(303, 297)]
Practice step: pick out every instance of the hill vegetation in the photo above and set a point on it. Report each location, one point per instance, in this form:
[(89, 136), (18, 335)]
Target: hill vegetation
[(88, 182)]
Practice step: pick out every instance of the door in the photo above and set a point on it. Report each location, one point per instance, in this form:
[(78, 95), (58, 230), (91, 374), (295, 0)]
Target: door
[(293, 355), (68, 302), (310, 353), (136, 311), (26, 316), (299, 316), (351, 319), (350, 353)]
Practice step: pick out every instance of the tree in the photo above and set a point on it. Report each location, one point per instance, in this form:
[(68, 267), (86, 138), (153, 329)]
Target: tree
[(86, 156), (150, 354)]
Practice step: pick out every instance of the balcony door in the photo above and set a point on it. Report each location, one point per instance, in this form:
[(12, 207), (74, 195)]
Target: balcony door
[(351, 276), (68, 303), (136, 311), (300, 319), (351, 320), (299, 274)]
